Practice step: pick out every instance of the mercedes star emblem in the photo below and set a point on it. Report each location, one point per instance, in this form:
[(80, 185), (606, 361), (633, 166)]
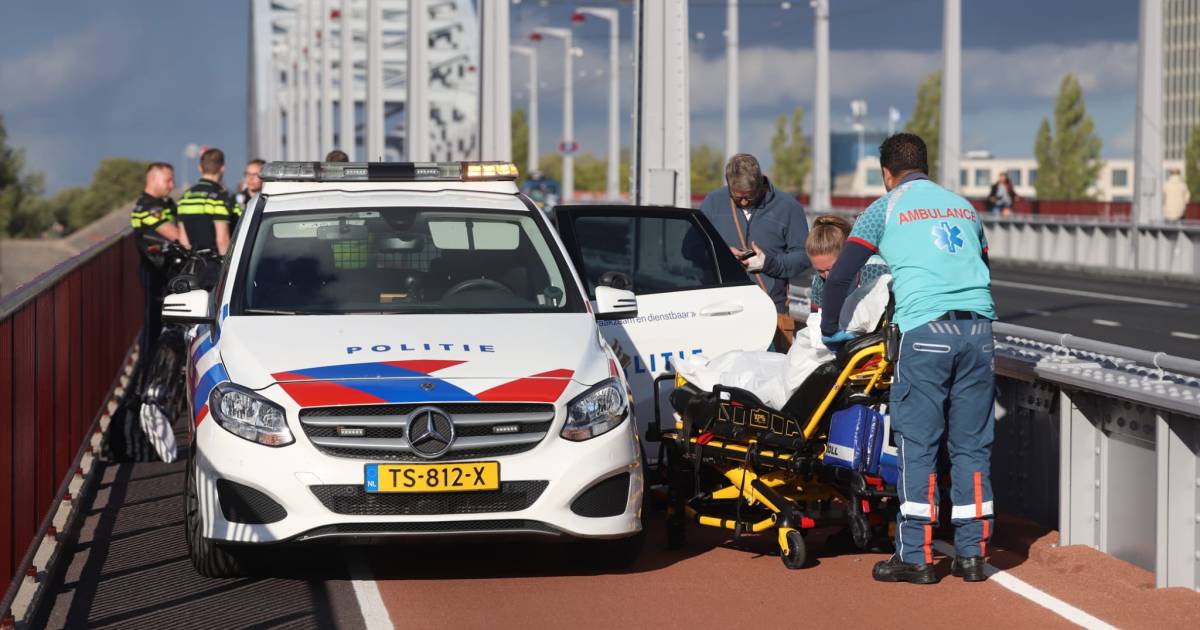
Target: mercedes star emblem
[(430, 432)]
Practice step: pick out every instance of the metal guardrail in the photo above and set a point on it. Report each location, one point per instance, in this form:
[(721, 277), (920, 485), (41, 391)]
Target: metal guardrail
[(1097, 243), (1120, 430), (63, 337)]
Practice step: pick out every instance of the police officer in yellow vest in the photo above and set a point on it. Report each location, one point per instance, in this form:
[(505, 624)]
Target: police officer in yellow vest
[(153, 216), (207, 210)]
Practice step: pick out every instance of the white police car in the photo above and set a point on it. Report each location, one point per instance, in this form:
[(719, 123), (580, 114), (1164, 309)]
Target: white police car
[(400, 349)]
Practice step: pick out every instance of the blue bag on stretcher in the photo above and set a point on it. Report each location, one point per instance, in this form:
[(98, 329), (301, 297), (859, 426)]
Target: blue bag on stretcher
[(856, 442)]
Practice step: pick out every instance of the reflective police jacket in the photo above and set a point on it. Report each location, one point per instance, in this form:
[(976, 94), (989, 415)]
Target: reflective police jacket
[(201, 207)]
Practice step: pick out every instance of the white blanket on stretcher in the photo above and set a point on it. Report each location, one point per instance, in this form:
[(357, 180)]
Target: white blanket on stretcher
[(774, 377)]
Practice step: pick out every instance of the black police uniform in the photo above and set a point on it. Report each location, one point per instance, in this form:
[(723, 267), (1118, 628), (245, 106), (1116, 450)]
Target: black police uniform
[(148, 214), (201, 208)]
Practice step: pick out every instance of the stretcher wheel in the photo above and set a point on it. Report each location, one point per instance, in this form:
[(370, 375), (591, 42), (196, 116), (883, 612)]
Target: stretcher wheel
[(796, 553)]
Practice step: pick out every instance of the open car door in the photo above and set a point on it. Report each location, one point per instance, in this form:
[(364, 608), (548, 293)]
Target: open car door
[(693, 295)]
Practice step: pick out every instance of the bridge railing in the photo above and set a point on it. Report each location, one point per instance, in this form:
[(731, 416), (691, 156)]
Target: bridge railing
[(63, 338), (1101, 442)]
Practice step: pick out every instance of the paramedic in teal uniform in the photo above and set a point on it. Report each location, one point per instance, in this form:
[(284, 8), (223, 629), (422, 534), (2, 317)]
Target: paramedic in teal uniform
[(934, 243)]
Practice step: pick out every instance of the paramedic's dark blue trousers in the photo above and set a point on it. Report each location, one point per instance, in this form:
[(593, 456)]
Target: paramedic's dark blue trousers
[(944, 379)]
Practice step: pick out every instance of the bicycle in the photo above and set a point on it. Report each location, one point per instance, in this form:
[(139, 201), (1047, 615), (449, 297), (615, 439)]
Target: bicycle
[(160, 387)]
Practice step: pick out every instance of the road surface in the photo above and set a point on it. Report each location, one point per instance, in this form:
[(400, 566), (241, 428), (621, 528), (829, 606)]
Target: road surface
[(1151, 316)]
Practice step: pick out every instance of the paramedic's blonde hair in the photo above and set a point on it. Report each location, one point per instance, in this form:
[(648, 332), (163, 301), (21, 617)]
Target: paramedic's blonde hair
[(829, 232)]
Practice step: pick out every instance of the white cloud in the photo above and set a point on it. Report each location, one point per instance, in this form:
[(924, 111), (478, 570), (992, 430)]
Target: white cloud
[(773, 77), (65, 67)]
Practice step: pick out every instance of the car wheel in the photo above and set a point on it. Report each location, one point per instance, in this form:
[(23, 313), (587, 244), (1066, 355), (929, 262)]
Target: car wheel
[(208, 558)]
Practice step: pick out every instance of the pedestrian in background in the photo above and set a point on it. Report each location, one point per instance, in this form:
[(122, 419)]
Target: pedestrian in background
[(1002, 196), (1175, 197), (766, 229), (934, 243)]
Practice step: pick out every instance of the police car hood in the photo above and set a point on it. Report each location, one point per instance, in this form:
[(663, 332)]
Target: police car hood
[(370, 359)]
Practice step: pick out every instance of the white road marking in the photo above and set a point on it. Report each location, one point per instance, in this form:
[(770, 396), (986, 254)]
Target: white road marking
[(1106, 322), (366, 591), (1038, 311), (1032, 593), (1091, 294), (1184, 335)]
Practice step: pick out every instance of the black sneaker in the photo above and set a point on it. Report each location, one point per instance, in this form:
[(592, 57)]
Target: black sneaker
[(894, 570), (969, 568)]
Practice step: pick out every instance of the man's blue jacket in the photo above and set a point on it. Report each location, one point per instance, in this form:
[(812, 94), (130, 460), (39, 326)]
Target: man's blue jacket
[(777, 225)]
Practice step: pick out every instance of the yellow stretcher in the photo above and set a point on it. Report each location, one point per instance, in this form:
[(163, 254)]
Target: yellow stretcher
[(731, 462)]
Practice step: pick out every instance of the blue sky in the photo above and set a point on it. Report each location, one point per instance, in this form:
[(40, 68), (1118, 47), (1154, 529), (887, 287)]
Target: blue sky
[(81, 80)]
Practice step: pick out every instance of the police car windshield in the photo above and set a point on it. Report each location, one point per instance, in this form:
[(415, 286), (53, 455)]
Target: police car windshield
[(405, 260)]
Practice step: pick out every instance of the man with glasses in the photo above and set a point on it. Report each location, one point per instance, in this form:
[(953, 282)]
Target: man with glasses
[(765, 229), (251, 187)]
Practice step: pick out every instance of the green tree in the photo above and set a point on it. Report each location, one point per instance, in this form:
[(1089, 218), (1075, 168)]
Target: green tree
[(20, 212), (790, 153), (1069, 163), (708, 169), (520, 142), (1043, 151), (926, 119), (1192, 164)]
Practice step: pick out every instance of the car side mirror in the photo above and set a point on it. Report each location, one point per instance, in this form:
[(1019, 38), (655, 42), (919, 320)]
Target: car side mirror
[(615, 303), (616, 280), (187, 308)]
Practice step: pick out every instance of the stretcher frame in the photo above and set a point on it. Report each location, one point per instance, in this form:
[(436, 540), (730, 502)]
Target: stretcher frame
[(782, 488)]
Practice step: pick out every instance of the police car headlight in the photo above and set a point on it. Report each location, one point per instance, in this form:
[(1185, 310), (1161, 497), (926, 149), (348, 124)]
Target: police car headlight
[(597, 411), (249, 416)]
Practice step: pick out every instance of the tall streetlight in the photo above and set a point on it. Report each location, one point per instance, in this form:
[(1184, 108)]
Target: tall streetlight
[(347, 135), (950, 136), (294, 125), (820, 201), (567, 145), (326, 34), (1148, 147), (310, 87), (731, 78), (614, 94), (531, 53), (373, 135), (416, 134)]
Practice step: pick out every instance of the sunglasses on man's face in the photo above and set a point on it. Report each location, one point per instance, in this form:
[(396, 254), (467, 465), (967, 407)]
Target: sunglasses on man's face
[(742, 197)]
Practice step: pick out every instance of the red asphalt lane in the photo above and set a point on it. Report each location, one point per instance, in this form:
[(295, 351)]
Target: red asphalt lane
[(716, 582)]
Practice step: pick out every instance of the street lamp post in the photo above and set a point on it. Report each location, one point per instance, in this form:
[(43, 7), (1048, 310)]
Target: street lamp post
[(568, 139), (950, 137), (732, 104), (326, 33), (346, 135), (531, 53), (820, 200), (613, 17), (373, 135)]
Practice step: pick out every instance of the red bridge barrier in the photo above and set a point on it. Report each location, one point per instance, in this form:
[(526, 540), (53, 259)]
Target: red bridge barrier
[(63, 338)]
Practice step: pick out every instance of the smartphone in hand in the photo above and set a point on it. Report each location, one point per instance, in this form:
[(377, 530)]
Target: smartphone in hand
[(745, 254)]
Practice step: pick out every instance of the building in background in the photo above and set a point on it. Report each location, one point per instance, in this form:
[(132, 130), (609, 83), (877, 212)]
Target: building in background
[(286, 77), (844, 154), (979, 170), (1181, 74)]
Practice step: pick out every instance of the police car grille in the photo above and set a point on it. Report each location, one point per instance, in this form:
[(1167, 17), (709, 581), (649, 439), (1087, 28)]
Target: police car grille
[(379, 432), (353, 500)]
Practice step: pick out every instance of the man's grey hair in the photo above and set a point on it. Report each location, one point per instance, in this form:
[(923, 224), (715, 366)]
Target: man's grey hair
[(743, 172)]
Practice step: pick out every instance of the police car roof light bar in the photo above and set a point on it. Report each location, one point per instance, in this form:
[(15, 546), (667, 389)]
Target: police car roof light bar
[(388, 171)]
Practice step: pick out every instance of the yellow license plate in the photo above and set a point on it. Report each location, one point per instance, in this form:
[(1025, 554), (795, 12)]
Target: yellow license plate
[(458, 477)]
